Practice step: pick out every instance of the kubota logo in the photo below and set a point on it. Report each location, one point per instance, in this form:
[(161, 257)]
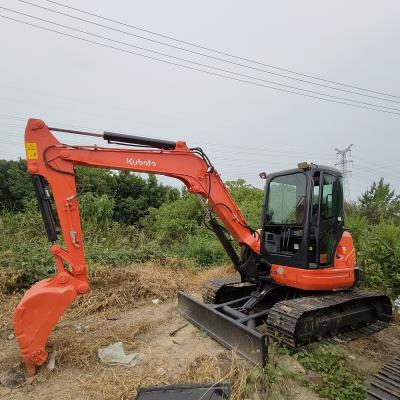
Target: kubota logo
[(138, 162)]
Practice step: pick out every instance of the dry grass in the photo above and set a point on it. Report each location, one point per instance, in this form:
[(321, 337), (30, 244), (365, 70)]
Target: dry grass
[(207, 369), (122, 383), (117, 292), (8, 303), (116, 383), (125, 293), (80, 350), (113, 291), (122, 288)]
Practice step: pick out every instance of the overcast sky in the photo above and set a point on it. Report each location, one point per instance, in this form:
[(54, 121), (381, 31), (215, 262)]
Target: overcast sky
[(244, 128)]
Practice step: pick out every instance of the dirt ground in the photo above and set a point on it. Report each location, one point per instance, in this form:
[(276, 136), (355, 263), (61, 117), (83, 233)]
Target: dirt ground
[(120, 309)]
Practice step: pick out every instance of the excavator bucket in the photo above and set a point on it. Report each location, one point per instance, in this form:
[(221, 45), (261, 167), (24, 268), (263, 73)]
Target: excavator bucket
[(37, 314)]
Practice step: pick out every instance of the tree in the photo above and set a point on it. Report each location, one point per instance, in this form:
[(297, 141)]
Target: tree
[(250, 200), (16, 187), (129, 195), (380, 203), (134, 196)]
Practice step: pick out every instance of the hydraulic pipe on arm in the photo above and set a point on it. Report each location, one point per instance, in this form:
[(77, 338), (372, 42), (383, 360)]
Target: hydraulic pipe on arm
[(50, 161)]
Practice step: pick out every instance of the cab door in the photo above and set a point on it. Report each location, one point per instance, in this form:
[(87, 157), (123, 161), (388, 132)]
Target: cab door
[(330, 218)]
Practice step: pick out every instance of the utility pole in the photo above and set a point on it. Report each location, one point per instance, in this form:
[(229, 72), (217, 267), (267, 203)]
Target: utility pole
[(343, 164)]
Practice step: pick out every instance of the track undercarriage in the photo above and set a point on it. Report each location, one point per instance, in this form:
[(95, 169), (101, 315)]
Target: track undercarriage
[(283, 314)]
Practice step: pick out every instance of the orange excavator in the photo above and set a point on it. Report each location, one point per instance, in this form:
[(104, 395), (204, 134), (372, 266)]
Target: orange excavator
[(295, 276)]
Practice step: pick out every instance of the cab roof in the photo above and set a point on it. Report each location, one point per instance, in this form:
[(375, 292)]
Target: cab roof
[(311, 167)]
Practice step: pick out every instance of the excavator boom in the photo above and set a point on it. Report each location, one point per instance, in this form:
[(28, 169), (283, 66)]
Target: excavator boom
[(51, 162)]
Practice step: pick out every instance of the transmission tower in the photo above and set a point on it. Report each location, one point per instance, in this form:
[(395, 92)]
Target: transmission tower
[(343, 164)]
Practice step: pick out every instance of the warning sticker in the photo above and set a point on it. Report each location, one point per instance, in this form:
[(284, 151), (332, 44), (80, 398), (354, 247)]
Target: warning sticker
[(31, 151)]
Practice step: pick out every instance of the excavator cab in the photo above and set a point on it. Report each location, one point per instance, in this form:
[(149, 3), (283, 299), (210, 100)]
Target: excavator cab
[(302, 222)]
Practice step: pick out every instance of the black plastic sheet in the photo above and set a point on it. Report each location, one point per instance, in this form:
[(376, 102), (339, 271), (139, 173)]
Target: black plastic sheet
[(209, 391)]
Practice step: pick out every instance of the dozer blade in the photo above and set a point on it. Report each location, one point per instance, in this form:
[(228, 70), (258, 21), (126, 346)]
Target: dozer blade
[(37, 314), (227, 325)]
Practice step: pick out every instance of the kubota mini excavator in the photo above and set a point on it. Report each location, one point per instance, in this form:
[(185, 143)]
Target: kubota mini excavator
[(296, 275)]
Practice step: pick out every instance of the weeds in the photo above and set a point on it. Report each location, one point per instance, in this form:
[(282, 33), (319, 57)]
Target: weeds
[(340, 382)]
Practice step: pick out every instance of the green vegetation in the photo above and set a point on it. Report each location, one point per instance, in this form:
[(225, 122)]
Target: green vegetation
[(323, 368), (327, 371), (128, 219), (374, 222), (339, 381)]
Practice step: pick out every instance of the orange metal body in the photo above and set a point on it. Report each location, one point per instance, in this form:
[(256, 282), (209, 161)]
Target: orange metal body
[(44, 303), (336, 277)]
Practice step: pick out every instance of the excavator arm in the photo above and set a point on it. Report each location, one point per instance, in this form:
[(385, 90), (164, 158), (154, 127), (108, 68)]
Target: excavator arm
[(51, 162)]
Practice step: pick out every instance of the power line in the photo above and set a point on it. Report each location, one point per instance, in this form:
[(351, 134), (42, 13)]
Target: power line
[(198, 69), (227, 147), (368, 178), (374, 170), (257, 148), (379, 165), (227, 155), (223, 148), (227, 151), (216, 51), (191, 51), (65, 124), (13, 125), (243, 152), (13, 117), (199, 64)]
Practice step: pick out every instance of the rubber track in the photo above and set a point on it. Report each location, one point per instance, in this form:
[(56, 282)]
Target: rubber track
[(285, 315), (210, 288), (385, 385), (346, 335)]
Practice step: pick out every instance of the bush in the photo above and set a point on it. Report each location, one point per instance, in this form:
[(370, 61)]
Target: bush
[(16, 187), (249, 199), (174, 222), (378, 252), (132, 194), (24, 248), (205, 251), (382, 257), (178, 227), (374, 224), (96, 210)]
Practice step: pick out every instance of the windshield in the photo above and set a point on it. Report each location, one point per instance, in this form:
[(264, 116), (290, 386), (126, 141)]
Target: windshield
[(286, 199)]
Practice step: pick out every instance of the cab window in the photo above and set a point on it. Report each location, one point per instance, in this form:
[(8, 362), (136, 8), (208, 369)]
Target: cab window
[(286, 199), (328, 197)]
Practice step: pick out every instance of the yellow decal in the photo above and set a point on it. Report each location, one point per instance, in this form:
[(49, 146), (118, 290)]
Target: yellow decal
[(31, 151)]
